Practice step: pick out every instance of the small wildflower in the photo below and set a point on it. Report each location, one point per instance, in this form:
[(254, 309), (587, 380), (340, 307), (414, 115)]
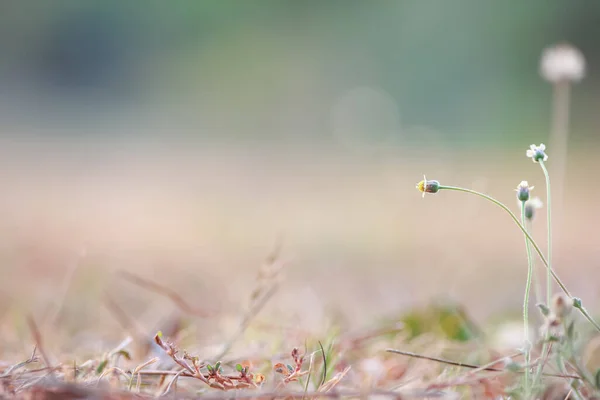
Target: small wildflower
[(531, 206), (537, 153), (562, 62), (561, 305), (523, 191), (426, 186)]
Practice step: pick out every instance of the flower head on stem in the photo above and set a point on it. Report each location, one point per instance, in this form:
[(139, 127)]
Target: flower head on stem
[(537, 153), (426, 186), (523, 191)]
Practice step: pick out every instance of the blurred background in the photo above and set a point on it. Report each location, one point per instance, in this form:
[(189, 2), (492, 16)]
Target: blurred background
[(179, 140)]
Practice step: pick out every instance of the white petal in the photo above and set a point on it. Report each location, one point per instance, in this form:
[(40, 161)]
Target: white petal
[(533, 147), (542, 147), (530, 153), (545, 157)]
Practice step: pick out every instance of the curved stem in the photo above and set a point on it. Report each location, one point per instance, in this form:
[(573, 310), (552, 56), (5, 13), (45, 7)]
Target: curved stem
[(526, 303), (549, 208), (516, 220), (533, 243)]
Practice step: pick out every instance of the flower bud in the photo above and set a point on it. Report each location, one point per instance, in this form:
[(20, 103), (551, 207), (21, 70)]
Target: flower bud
[(427, 186), (523, 191)]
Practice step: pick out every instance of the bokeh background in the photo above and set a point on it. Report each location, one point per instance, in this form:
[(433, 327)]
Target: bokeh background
[(180, 140)]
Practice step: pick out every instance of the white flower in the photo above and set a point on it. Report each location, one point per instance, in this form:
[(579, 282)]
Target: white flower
[(562, 62), (537, 152)]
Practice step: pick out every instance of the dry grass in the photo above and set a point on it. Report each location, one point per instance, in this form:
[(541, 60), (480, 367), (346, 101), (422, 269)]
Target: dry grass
[(102, 261)]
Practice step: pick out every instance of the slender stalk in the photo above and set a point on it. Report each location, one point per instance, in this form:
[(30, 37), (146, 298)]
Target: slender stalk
[(475, 368), (540, 367), (533, 243), (559, 140), (516, 220), (538, 373), (526, 305), (549, 208), (537, 290)]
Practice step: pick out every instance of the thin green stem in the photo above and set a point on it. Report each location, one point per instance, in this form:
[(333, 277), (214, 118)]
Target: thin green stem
[(540, 367), (537, 290), (533, 243), (526, 305), (560, 364), (516, 220), (549, 208)]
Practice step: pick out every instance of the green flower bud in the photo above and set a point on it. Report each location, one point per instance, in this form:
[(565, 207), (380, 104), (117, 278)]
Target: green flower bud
[(523, 191)]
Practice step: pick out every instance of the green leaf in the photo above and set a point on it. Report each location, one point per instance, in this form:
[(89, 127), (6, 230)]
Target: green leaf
[(290, 368), (209, 368), (239, 367), (124, 353), (543, 309), (218, 366), (597, 379), (553, 338), (101, 366)]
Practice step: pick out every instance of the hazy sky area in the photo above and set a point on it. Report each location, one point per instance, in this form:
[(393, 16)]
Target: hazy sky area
[(326, 72)]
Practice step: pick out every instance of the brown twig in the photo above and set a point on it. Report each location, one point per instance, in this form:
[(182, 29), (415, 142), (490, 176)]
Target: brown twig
[(37, 337), (465, 365), (12, 368), (169, 293), (334, 394), (259, 297), (172, 352)]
